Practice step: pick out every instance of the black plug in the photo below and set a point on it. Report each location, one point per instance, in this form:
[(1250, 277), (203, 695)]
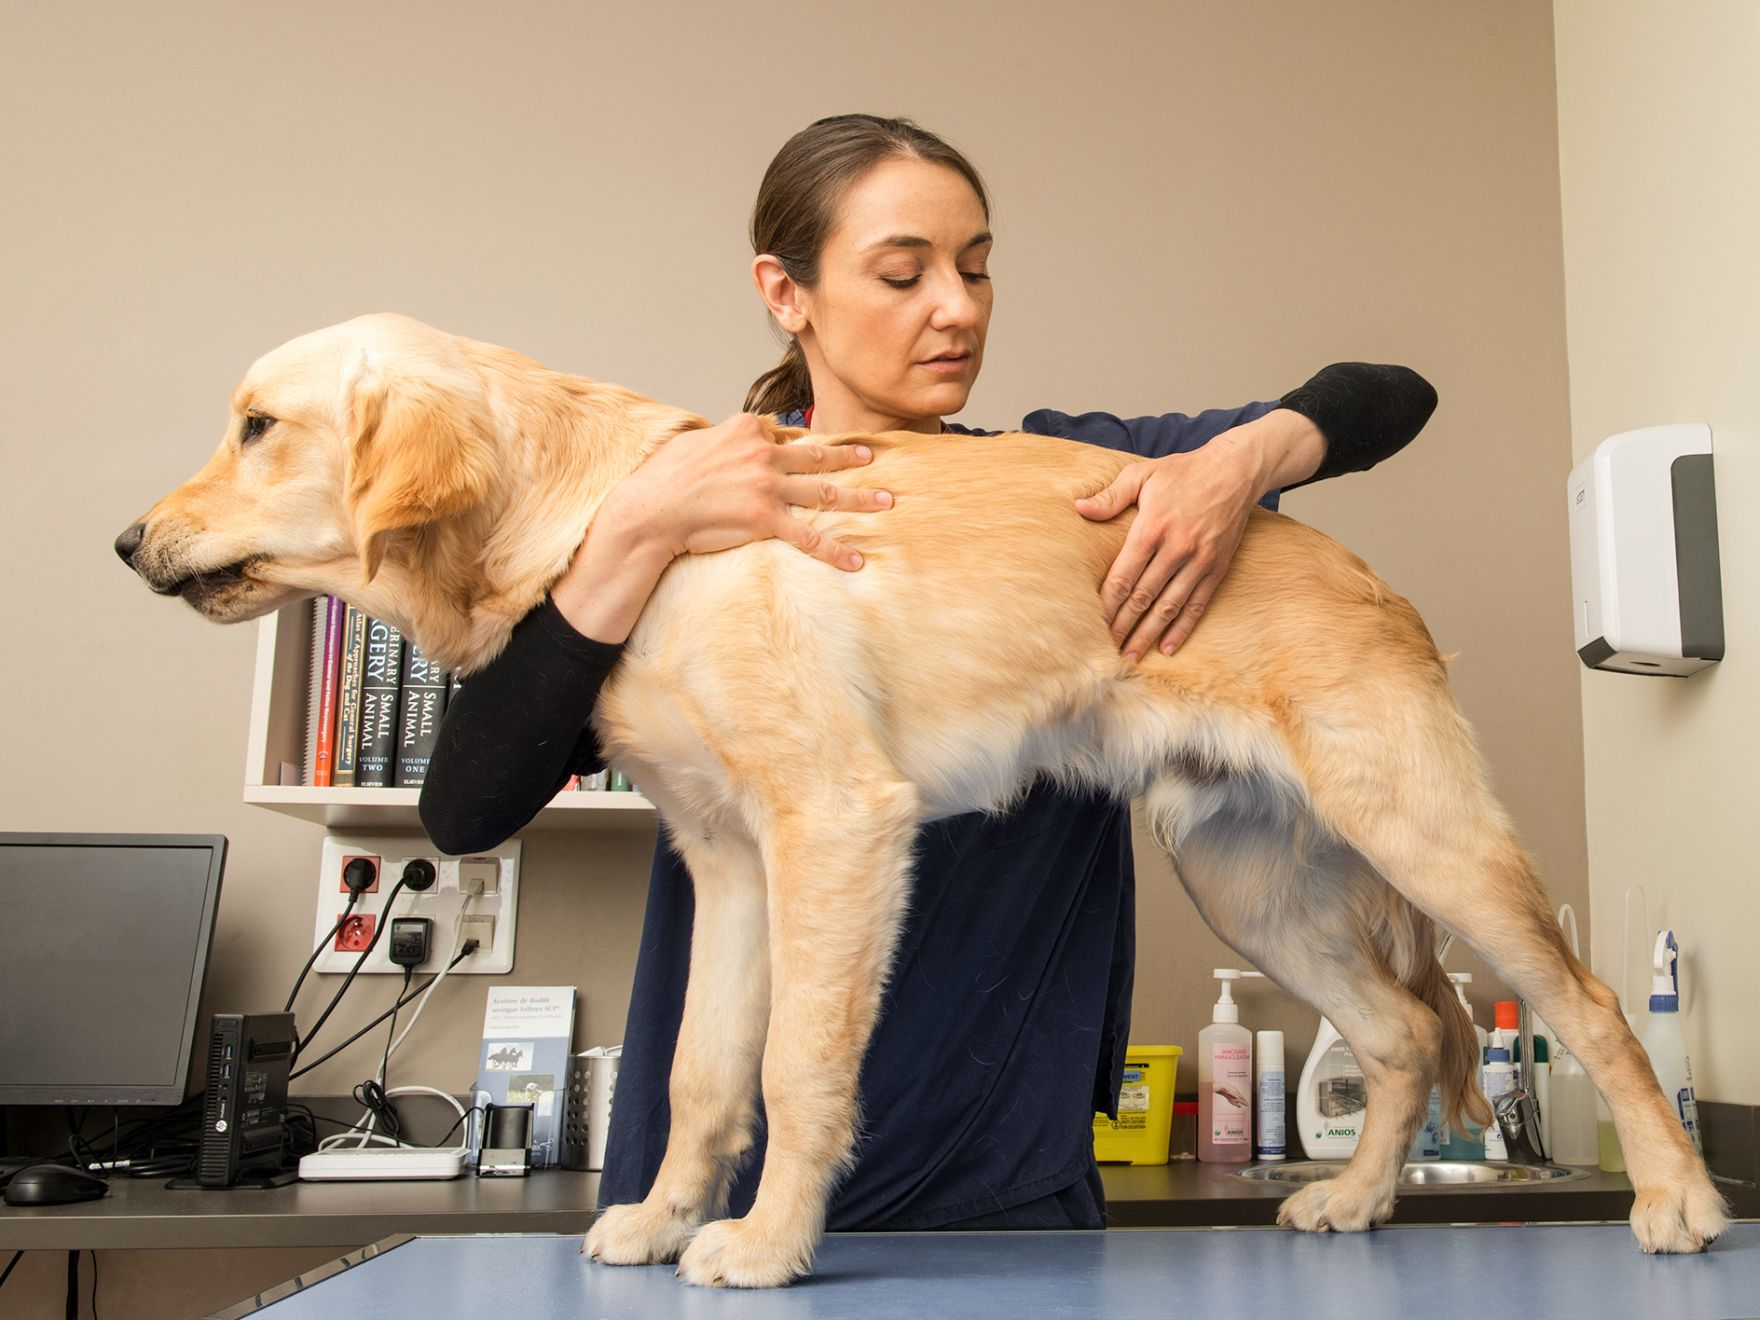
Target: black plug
[(418, 874), (410, 937), (360, 875)]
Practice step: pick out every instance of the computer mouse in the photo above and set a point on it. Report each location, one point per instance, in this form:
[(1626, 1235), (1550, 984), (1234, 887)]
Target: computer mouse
[(53, 1184)]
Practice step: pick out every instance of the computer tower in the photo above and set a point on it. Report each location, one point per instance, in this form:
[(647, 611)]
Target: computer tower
[(244, 1106)]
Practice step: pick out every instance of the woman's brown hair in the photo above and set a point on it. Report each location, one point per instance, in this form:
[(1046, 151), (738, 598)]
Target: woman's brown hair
[(797, 208)]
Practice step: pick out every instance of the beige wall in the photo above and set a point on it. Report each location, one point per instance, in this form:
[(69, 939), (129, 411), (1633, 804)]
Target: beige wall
[(1661, 189), (1197, 205)]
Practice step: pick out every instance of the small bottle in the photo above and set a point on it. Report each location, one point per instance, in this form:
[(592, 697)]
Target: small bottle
[(1496, 1078), (1506, 1031), (1269, 1138), (1663, 1040), (1225, 1081)]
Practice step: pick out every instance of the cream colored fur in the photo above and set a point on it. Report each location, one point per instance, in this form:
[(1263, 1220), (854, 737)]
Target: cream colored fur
[(1301, 757)]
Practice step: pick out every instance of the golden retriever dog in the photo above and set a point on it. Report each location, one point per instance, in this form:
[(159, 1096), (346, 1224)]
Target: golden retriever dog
[(1300, 758)]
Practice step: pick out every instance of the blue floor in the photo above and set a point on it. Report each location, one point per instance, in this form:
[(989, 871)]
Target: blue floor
[(1558, 1272)]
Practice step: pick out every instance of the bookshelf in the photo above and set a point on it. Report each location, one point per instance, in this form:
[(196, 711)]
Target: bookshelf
[(277, 736)]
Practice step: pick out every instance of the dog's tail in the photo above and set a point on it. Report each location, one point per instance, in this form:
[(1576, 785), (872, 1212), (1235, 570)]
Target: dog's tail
[(1407, 941), (1461, 1096)]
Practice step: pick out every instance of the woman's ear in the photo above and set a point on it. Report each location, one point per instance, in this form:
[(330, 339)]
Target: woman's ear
[(418, 451), (786, 300)]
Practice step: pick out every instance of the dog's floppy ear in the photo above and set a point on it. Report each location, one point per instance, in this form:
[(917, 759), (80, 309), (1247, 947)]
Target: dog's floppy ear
[(418, 452)]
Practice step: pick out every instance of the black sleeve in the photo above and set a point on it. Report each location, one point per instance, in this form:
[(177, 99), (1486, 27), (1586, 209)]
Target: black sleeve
[(1365, 411), (514, 733)]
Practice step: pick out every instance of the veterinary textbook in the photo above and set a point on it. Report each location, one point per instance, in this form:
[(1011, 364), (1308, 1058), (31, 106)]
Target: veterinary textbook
[(526, 1030)]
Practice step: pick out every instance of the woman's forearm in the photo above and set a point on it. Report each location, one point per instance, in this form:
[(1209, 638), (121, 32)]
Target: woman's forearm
[(612, 575), (1281, 448)]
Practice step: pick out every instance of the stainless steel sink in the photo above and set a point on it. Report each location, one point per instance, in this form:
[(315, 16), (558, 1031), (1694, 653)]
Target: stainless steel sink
[(1427, 1173)]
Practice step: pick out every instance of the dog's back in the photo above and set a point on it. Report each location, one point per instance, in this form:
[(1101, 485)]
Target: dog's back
[(972, 646)]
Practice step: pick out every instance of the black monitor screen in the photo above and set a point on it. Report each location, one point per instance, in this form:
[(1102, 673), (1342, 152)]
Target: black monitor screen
[(103, 948)]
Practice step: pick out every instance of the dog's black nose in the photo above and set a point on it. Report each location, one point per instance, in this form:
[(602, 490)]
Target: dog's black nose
[(130, 541)]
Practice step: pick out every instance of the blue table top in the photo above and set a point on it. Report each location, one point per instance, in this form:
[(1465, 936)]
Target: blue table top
[(1554, 1271)]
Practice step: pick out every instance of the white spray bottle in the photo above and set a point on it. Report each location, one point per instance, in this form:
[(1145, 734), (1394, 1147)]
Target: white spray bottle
[(1225, 1080), (1663, 1040)]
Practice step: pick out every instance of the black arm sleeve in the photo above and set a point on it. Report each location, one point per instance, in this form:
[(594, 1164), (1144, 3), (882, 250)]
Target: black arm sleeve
[(1366, 413), (514, 733)]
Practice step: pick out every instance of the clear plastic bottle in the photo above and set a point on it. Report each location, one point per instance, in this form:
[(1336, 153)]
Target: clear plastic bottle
[(1225, 1081), (1570, 1112)]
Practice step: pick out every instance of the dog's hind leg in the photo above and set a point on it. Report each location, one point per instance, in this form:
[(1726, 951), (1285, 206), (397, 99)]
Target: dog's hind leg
[(839, 866), (1410, 793), (714, 1081), (1314, 917)]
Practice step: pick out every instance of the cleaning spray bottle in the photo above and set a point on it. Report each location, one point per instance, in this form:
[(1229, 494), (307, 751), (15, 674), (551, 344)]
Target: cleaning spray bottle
[(1465, 1145), (1331, 1098), (1225, 1080), (1663, 1040)]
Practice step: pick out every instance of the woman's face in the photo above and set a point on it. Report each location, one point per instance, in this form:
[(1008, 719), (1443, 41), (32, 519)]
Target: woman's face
[(894, 330)]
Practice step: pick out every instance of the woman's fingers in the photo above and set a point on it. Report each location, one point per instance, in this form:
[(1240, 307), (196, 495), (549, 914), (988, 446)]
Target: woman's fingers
[(1176, 611), (822, 458), (810, 494), (1130, 588), (808, 539)]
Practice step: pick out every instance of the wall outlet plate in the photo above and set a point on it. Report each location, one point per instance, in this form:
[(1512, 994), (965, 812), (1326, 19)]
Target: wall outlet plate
[(497, 871)]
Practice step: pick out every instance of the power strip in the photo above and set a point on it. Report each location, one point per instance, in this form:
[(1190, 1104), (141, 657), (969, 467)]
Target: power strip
[(382, 1163)]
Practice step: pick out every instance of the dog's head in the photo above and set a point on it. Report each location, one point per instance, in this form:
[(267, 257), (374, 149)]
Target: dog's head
[(338, 443)]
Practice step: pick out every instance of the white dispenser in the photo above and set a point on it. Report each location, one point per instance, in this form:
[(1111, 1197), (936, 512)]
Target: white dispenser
[(1331, 1098), (1662, 1038), (1647, 586), (1225, 1080)]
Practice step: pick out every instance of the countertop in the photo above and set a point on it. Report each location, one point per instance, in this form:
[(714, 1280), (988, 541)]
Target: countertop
[(143, 1213)]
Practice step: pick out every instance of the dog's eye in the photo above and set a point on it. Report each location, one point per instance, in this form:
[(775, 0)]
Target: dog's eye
[(254, 426)]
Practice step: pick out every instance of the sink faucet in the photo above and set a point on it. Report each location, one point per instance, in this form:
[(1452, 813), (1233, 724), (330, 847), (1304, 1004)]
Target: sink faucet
[(1518, 1115)]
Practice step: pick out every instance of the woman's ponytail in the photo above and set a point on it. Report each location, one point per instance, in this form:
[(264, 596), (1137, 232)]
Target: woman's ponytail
[(787, 387)]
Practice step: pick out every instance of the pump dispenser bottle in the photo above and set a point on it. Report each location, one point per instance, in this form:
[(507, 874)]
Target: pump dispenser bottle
[(1225, 1081)]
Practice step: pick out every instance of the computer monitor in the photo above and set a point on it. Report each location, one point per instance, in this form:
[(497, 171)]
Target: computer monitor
[(103, 951)]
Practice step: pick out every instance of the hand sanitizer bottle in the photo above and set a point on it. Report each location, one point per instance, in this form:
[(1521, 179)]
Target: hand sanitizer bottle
[(1225, 1081)]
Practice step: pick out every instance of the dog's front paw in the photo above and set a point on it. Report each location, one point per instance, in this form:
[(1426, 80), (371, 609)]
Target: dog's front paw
[(1335, 1206), (1679, 1220), (736, 1253), (636, 1235)]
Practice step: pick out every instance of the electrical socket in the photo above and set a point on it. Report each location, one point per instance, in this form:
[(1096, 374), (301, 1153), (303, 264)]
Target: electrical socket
[(455, 889), (480, 929), (342, 885), (356, 932)]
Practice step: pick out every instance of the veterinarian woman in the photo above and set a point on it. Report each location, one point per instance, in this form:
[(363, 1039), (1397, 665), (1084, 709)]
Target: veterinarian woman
[(1004, 1026)]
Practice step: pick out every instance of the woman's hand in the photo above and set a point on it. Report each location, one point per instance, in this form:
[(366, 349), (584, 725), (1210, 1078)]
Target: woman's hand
[(716, 488), (702, 491), (1191, 514)]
